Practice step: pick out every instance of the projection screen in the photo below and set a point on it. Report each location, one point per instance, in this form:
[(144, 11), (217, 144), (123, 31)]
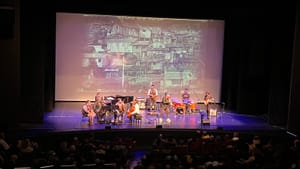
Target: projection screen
[(124, 55)]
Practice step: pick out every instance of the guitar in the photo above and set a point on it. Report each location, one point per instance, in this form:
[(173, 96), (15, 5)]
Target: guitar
[(206, 102), (153, 96), (207, 98)]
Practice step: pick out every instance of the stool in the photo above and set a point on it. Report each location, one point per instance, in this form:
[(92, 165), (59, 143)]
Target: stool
[(204, 122), (137, 118)]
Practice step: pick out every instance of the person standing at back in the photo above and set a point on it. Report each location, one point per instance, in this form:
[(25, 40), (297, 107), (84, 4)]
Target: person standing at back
[(153, 94), (207, 99)]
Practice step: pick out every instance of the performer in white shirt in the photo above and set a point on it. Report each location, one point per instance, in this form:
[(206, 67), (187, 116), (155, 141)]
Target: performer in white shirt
[(134, 109)]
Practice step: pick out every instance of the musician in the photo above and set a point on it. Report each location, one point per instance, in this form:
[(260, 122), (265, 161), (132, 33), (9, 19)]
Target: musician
[(98, 96), (207, 99), (99, 107), (165, 107), (153, 94), (134, 109), (88, 111), (186, 100), (121, 108)]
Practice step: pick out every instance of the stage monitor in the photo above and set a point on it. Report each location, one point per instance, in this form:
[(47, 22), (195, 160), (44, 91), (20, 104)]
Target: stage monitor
[(124, 55)]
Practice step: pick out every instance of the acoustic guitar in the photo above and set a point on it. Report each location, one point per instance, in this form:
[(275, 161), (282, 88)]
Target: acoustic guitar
[(153, 97), (208, 100)]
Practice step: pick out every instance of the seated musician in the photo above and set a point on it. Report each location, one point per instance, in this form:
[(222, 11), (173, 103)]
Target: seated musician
[(165, 107), (99, 107), (88, 111), (134, 110), (121, 108), (98, 96), (186, 100)]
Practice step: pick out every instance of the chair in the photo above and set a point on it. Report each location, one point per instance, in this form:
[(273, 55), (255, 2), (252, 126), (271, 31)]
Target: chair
[(68, 166), (47, 166), (89, 166), (137, 118), (110, 165)]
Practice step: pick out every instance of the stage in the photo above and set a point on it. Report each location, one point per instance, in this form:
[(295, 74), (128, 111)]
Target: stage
[(67, 117)]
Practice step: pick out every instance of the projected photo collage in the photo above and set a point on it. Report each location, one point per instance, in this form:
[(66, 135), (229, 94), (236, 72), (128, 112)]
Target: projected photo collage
[(124, 55)]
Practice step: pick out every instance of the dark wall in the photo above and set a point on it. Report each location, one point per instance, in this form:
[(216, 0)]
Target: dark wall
[(294, 108), (257, 61), (37, 53), (10, 62), (258, 50)]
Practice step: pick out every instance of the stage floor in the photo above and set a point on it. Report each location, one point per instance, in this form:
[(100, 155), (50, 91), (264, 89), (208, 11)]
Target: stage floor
[(67, 116)]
